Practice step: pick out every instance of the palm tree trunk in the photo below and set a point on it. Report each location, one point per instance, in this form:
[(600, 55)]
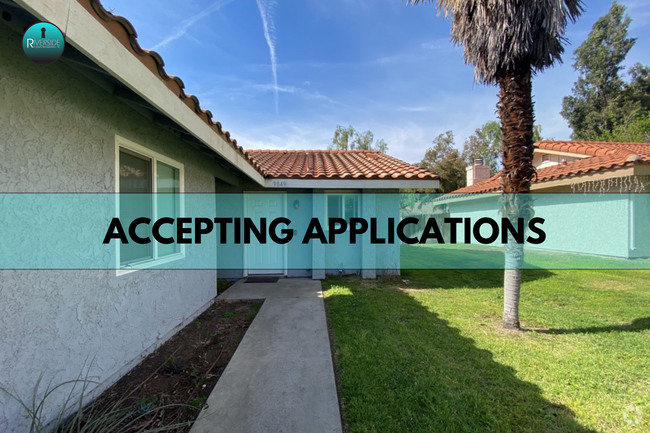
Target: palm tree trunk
[(512, 284), (515, 110)]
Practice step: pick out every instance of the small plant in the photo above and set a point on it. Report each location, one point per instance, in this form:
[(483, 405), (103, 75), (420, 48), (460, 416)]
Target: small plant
[(146, 406), (197, 324), (197, 403), (250, 316), (229, 314), (75, 416), (174, 365), (195, 372)]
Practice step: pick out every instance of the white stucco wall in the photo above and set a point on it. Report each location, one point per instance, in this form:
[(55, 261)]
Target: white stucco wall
[(57, 134)]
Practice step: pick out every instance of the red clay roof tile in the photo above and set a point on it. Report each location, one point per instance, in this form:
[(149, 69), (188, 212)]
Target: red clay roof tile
[(303, 164), (603, 156), (334, 164)]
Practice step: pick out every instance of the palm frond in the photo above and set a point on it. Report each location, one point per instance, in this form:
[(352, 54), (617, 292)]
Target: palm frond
[(444, 6), (499, 34)]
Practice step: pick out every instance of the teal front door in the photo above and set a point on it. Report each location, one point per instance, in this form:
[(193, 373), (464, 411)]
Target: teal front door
[(269, 257)]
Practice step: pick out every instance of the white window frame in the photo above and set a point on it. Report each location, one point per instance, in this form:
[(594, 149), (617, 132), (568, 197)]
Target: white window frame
[(341, 194), (126, 144)]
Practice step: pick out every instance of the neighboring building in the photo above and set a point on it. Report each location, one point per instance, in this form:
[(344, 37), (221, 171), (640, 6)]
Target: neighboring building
[(107, 118), (581, 166), (477, 172), (580, 187)]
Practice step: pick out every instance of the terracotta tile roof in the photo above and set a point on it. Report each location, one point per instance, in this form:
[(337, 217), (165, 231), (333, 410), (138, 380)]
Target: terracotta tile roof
[(125, 33), (282, 164), (334, 164), (603, 156)]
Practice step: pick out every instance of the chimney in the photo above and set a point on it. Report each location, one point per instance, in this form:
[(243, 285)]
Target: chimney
[(478, 172)]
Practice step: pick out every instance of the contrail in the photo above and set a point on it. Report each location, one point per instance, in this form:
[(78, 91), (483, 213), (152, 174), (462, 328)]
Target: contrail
[(265, 7), (182, 28)]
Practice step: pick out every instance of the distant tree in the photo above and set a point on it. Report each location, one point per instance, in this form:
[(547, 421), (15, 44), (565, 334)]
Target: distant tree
[(601, 100), (638, 90), (636, 131), (349, 139), (342, 139), (444, 160), (485, 144)]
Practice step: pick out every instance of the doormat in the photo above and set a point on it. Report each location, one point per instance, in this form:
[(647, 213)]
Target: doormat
[(262, 279)]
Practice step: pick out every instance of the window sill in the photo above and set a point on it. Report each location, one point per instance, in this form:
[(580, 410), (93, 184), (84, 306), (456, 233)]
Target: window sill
[(146, 264)]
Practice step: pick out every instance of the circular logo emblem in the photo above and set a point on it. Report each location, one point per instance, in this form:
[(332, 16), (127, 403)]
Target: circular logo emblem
[(43, 43)]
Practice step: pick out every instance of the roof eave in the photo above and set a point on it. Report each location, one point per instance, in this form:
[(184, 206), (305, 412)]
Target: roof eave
[(289, 183), (87, 34)]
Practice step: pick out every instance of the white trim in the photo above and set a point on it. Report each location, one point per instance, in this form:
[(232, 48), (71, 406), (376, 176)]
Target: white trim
[(124, 143), (351, 183), (90, 37), (557, 152)]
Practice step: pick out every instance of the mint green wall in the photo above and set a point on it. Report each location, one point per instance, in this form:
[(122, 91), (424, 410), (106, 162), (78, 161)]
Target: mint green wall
[(580, 223)]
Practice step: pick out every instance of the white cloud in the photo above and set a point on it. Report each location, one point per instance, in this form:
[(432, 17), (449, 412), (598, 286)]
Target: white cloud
[(183, 27), (266, 13)]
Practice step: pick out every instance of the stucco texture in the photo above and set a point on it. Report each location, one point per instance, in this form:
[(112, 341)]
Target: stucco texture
[(58, 135)]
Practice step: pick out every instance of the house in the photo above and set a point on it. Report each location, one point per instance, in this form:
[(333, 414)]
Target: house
[(581, 166), (593, 196), (107, 118)]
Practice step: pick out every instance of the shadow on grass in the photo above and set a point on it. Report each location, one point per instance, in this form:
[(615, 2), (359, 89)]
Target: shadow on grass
[(466, 278), (637, 325), (401, 368)]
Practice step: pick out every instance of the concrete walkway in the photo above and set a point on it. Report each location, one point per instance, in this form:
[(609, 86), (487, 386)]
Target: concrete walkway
[(281, 377)]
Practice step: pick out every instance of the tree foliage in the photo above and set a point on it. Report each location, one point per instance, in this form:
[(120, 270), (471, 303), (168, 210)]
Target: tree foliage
[(636, 131), (445, 160), (501, 35), (349, 139), (485, 144), (602, 102)]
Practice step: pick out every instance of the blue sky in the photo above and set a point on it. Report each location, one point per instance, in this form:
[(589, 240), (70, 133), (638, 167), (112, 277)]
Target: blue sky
[(282, 74)]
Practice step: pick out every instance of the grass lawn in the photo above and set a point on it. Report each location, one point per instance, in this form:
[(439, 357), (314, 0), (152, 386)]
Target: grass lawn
[(461, 256), (431, 356)]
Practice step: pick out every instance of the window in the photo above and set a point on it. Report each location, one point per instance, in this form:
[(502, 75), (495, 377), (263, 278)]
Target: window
[(149, 185), (344, 206)]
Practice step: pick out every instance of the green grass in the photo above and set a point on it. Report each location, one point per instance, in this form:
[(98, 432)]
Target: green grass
[(461, 256), (431, 356)]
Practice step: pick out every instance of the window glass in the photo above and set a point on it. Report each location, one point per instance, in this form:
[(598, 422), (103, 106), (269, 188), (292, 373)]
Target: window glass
[(344, 206), (167, 204), (334, 206), (135, 180), (351, 207)]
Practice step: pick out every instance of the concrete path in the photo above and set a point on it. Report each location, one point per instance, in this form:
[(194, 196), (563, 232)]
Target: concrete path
[(281, 378)]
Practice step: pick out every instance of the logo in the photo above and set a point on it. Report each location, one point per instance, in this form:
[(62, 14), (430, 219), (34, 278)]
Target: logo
[(43, 43)]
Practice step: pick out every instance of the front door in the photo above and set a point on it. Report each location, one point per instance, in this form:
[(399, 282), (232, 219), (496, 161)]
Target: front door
[(267, 258)]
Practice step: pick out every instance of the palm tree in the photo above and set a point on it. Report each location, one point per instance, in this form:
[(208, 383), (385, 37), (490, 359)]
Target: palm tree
[(507, 41)]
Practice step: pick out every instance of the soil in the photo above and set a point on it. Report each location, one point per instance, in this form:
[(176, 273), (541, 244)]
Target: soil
[(169, 388)]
